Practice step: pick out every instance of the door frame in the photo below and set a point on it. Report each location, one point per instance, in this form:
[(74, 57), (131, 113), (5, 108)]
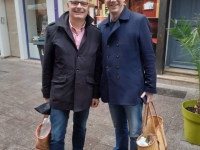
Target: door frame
[(163, 22), (170, 60), (4, 35), (52, 16)]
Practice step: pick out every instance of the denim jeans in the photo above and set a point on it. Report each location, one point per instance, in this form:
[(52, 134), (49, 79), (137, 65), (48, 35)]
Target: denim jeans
[(59, 120), (127, 121)]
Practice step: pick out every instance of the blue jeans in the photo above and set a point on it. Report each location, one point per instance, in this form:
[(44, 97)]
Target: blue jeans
[(59, 120), (127, 121)]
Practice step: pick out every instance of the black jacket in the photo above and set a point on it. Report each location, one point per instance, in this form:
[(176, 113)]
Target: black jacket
[(71, 77)]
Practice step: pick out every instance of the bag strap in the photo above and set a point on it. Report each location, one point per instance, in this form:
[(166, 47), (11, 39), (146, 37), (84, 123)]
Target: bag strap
[(152, 120), (144, 118), (156, 114), (153, 124), (147, 110)]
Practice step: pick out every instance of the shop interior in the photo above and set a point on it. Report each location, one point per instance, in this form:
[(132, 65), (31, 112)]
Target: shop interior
[(150, 8), (36, 21)]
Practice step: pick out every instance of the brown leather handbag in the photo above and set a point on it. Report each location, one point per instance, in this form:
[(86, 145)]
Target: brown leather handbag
[(43, 135)]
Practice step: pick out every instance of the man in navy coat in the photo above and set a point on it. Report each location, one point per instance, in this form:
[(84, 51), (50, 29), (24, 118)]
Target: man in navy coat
[(128, 70)]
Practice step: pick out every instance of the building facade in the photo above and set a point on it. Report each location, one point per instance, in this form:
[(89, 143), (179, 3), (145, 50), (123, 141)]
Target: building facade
[(169, 53), (24, 21)]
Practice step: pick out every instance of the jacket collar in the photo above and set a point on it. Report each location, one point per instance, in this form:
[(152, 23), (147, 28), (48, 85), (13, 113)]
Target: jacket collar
[(63, 21), (125, 15)]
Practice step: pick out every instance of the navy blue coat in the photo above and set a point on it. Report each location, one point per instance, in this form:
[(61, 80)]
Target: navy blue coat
[(128, 59)]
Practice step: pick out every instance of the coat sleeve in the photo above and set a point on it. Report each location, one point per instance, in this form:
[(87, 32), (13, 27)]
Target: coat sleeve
[(98, 71), (47, 70), (147, 56)]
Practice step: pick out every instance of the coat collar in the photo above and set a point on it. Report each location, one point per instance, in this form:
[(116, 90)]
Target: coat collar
[(63, 21), (125, 15)]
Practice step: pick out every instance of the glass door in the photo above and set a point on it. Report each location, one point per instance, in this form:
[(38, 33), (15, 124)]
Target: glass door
[(36, 21)]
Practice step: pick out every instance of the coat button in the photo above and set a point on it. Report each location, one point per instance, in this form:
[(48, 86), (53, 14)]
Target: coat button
[(117, 44), (78, 56), (118, 77), (77, 69), (107, 67), (117, 66), (108, 45), (117, 55), (108, 56)]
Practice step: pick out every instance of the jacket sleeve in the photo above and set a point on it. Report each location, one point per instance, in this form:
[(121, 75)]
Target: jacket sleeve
[(97, 72), (147, 56), (47, 70)]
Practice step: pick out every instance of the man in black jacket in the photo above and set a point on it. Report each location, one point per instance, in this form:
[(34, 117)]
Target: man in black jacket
[(71, 72)]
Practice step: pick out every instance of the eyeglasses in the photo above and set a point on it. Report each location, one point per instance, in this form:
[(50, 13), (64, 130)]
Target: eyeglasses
[(75, 3)]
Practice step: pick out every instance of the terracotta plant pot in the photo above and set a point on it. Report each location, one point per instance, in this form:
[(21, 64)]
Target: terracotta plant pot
[(191, 123)]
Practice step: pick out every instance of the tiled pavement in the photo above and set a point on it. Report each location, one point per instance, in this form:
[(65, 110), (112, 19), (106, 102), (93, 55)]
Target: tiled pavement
[(20, 84)]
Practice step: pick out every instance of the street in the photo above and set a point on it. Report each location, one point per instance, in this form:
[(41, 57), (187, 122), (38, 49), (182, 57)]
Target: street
[(20, 93)]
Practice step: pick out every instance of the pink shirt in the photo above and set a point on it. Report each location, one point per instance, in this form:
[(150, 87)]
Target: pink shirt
[(77, 34)]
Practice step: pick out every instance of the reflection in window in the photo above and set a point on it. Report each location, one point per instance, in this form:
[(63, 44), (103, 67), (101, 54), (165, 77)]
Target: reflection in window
[(65, 6), (36, 20)]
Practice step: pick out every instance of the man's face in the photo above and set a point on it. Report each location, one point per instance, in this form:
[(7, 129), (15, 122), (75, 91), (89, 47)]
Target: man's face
[(78, 9), (114, 6)]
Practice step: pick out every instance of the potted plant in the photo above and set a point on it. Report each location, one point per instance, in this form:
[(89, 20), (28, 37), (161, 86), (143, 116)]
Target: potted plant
[(189, 39)]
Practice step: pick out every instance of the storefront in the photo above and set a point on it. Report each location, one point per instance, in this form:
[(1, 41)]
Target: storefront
[(151, 10), (169, 53), (24, 21), (37, 14), (4, 39)]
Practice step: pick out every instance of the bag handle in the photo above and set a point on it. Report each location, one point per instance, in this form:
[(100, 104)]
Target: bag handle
[(145, 117), (148, 110), (156, 114), (158, 122), (152, 120)]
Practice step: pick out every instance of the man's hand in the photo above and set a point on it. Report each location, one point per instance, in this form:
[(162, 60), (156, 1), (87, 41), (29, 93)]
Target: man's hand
[(46, 100), (149, 96), (95, 102)]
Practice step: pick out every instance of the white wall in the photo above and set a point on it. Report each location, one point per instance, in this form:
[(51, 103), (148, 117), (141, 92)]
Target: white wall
[(21, 24), (169, 20), (4, 42), (31, 20), (21, 29), (60, 7), (4, 37), (50, 11)]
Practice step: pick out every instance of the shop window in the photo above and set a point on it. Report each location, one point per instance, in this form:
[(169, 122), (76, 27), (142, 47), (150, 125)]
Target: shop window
[(150, 8), (36, 21), (65, 6)]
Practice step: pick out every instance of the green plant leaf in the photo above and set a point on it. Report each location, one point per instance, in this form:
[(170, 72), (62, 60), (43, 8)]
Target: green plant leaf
[(189, 39)]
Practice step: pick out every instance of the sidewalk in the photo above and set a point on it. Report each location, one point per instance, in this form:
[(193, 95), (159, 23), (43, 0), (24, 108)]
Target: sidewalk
[(20, 92)]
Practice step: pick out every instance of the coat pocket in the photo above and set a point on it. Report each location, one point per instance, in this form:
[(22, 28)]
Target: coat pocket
[(90, 80), (59, 80)]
